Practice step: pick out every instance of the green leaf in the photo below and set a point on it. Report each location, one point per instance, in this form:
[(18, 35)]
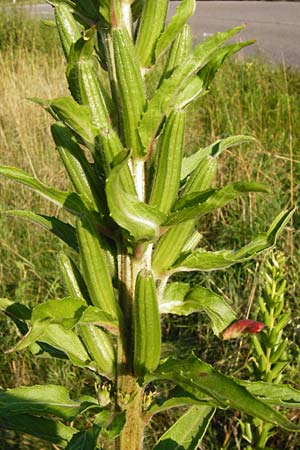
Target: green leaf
[(17, 312), (205, 261), (76, 117), (199, 84), (184, 10), (195, 376), (274, 394), (56, 226), (45, 400), (197, 299), (96, 316), (58, 337), (141, 220), (85, 440), (190, 163), (47, 429), (170, 87), (68, 200), (188, 431), (177, 398), (66, 312), (190, 206), (14, 309)]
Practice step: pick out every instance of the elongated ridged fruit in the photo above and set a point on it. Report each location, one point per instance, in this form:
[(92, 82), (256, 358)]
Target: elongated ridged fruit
[(97, 341), (95, 269), (167, 175), (147, 331), (131, 89)]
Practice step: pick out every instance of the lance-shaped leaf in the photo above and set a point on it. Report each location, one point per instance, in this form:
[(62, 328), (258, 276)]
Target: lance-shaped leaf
[(41, 399), (58, 337), (193, 375), (96, 316), (190, 163), (141, 220), (204, 260), (131, 89), (180, 300), (66, 312), (56, 226), (68, 200), (85, 440), (188, 431), (273, 394), (46, 429), (151, 25), (169, 89), (18, 312), (185, 9), (177, 398), (190, 206), (169, 163), (76, 117), (200, 83)]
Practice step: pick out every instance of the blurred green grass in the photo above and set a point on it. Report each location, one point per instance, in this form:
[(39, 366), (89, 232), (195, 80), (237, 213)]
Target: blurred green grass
[(247, 97)]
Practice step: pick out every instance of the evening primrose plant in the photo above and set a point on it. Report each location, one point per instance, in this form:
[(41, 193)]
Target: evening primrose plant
[(133, 214)]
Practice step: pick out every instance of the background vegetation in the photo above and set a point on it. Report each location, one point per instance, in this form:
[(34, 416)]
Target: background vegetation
[(248, 97)]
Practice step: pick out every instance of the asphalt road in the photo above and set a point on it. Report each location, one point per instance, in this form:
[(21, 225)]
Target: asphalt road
[(274, 25)]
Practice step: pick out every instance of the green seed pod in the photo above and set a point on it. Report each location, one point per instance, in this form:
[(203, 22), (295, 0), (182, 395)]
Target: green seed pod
[(202, 177), (147, 331), (170, 246), (67, 26), (180, 49), (100, 347), (131, 89), (168, 166), (151, 25), (98, 342), (79, 169), (95, 267)]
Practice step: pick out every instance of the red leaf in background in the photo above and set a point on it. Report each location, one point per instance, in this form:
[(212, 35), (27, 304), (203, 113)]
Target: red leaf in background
[(242, 327)]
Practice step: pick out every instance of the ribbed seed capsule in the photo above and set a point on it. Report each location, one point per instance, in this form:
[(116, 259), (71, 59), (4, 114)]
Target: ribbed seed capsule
[(179, 50), (147, 331), (94, 267), (67, 27), (171, 244), (131, 90), (152, 23), (167, 176), (77, 166), (97, 341)]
